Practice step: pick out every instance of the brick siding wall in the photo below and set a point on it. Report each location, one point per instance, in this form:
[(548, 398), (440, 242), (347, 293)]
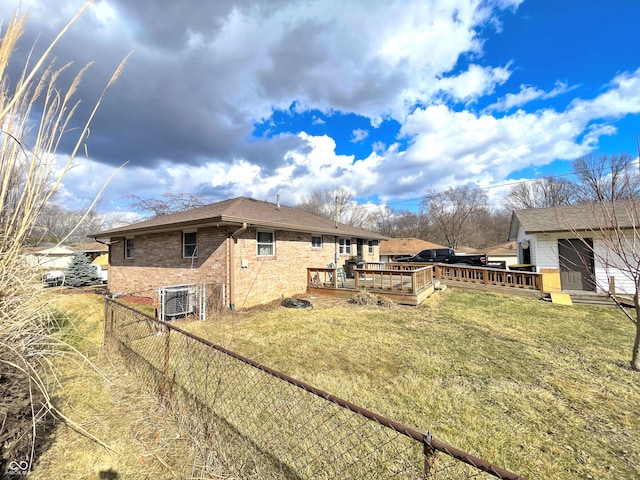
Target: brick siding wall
[(257, 279), (158, 261)]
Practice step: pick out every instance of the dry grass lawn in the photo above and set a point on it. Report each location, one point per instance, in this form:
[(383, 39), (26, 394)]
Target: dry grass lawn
[(540, 389), (115, 429)]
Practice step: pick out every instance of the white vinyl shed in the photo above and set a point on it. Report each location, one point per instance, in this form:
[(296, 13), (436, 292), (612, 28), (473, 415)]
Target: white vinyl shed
[(587, 247)]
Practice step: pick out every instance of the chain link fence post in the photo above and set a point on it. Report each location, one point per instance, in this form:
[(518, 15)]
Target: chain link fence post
[(108, 323), (429, 459), (165, 369)]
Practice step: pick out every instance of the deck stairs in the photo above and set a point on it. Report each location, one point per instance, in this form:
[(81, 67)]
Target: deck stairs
[(593, 298)]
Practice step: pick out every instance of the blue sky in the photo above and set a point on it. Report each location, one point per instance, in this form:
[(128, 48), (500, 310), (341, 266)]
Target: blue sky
[(388, 99)]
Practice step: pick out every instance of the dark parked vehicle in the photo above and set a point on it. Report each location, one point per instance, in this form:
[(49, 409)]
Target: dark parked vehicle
[(446, 255)]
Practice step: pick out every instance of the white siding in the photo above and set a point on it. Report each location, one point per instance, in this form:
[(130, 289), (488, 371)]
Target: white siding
[(522, 236), (545, 255), (547, 252), (612, 266)]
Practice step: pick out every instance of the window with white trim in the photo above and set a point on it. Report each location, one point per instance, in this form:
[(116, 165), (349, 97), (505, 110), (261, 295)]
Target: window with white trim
[(316, 241), (344, 245), (266, 244), (128, 247), (189, 244)]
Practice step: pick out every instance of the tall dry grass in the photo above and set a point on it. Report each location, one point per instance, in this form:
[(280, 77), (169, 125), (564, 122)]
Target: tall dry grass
[(35, 115)]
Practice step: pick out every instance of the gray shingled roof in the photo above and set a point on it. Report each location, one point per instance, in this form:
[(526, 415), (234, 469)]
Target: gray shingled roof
[(240, 210), (583, 217)]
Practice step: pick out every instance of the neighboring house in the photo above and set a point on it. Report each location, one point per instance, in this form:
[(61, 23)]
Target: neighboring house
[(50, 258), (95, 251), (259, 251), (99, 255), (506, 254), (553, 239), (403, 247), (59, 257)]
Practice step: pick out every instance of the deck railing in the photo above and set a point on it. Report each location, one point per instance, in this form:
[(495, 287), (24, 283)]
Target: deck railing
[(414, 277), (379, 276), (323, 277), (400, 278), (489, 276)]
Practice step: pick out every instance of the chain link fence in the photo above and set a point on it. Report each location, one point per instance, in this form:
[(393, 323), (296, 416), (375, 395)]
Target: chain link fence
[(302, 432)]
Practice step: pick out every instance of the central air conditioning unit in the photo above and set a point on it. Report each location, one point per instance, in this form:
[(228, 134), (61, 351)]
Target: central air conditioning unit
[(176, 301)]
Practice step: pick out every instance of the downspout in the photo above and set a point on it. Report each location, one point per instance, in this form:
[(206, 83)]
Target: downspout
[(232, 270)]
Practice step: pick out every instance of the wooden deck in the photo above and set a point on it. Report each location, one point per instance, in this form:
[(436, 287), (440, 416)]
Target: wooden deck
[(412, 283), (405, 284)]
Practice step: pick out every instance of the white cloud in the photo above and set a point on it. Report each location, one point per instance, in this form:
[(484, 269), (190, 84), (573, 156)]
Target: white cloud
[(359, 135), (621, 98), (529, 93), (446, 148), (184, 109), (475, 82)]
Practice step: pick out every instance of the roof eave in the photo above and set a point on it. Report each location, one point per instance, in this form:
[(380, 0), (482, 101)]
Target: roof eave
[(234, 221), (575, 231), (513, 227), (125, 232)]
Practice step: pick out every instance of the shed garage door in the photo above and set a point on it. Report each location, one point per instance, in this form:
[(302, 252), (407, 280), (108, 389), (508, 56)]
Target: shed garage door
[(576, 264)]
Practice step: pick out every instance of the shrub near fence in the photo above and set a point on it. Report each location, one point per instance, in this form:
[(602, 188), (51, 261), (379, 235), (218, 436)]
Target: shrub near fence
[(301, 431)]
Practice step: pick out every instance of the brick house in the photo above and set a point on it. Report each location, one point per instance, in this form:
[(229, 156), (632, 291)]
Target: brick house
[(259, 251)]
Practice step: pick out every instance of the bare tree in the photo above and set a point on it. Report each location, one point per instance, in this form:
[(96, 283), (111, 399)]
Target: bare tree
[(15, 163), (612, 245), (607, 178), (453, 211), (542, 192), (395, 223), (56, 224), (337, 204), (488, 227), (168, 203)]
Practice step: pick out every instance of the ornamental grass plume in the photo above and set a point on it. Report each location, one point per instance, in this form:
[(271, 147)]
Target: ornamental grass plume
[(35, 114)]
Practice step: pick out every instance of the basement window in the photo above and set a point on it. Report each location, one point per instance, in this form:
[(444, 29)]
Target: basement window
[(189, 244), (266, 244)]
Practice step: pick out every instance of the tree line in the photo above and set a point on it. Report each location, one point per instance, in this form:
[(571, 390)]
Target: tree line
[(456, 217), (465, 215)]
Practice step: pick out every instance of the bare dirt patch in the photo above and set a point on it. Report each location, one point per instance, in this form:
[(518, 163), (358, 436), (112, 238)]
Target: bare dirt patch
[(21, 416)]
